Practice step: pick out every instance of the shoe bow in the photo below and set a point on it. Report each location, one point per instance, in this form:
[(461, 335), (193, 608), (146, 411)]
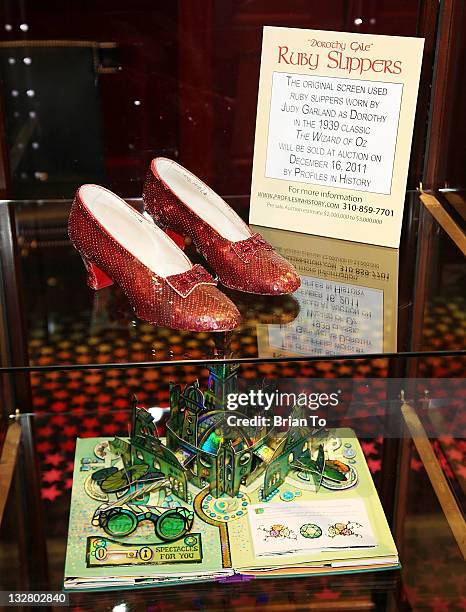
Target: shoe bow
[(246, 249), (186, 282)]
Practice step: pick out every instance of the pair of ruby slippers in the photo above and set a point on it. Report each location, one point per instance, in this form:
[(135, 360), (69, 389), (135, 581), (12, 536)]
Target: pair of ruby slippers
[(118, 244)]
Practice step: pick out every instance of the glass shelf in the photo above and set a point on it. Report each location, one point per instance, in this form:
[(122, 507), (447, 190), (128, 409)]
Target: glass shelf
[(355, 300)]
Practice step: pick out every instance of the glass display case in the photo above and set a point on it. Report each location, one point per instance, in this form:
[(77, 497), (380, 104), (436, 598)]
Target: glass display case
[(91, 92)]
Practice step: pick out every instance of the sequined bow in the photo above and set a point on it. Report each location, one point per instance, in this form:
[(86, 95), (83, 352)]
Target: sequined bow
[(186, 282), (246, 249)]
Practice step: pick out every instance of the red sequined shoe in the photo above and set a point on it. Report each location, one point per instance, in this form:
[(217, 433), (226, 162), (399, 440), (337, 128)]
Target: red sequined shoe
[(178, 200), (162, 285)]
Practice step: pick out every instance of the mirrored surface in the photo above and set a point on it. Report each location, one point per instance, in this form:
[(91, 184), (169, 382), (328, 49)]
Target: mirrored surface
[(354, 300), (348, 299)]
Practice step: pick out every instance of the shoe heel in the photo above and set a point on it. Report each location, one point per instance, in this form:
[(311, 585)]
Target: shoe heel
[(96, 279), (178, 239)]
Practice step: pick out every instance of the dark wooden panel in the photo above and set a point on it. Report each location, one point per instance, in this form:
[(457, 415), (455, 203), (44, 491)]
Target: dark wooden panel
[(446, 154)]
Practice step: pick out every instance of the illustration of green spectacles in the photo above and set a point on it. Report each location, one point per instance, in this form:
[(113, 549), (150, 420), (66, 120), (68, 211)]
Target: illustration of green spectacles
[(121, 521)]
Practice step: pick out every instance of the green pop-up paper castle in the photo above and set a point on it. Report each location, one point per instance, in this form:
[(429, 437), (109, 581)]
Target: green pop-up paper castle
[(203, 449), (225, 491)]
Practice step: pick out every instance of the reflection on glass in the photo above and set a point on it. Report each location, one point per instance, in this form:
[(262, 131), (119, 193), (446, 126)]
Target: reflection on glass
[(347, 303), (347, 299)]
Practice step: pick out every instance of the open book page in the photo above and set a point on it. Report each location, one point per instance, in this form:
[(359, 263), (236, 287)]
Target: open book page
[(352, 522), (94, 554)]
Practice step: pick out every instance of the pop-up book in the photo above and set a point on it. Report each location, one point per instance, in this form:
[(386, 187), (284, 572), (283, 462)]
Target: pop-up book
[(214, 500)]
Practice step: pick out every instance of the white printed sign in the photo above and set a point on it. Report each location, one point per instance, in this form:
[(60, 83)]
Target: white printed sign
[(334, 125), (333, 132)]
